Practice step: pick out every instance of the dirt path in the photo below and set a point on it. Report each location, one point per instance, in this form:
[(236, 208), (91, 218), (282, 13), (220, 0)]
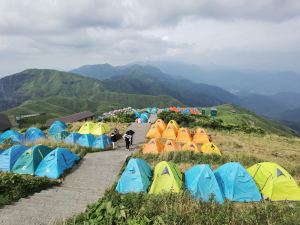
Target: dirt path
[(86, 184)]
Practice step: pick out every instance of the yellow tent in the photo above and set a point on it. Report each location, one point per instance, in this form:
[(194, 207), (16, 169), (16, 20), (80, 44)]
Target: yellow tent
[(154, 132), (86, 128), (274, 182), (210, 148), (154, 146), (161, 124), (184, 135), (170, 132), (200, 137), (174, 124), (171, 146), (190, 146), (100, 128)]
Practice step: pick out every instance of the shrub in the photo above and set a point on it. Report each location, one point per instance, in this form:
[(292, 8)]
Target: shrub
[(121, 118)]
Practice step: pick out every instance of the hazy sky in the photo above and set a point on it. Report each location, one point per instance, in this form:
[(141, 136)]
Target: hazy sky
[(64, 34)]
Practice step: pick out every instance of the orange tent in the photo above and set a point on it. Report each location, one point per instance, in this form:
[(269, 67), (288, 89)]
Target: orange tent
[(190, 146), (170, 132), (174, 124), (154, 146), (161, 124), (154, 132), (184, 135), (170, 146), (210, 148), (201, 136)]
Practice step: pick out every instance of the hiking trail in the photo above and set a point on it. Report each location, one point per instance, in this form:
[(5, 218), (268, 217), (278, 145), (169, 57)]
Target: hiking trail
[(85, 184)]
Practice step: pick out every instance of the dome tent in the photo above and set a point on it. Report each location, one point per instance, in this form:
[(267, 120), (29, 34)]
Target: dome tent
[(86, 140), (210, 148), (236, 183), (200, 136), (190, 146), (56, 162), (30, 159), (102, 142), (135, 178), (60, 137), (34, 134), (161, 124), (10, 156), (72, 138), (154, 132), (171, 146), (274, 182), (56, 127), (86, 128), (100, 128), (170, 132), (184, 135), (154, 146), (12, 135), (201, 182)]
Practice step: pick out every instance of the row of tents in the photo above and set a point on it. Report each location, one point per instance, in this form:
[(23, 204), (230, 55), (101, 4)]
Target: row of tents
[(192, 111), (32, 135), (38, 160), (230, 181), (142, 117), (89, 140)]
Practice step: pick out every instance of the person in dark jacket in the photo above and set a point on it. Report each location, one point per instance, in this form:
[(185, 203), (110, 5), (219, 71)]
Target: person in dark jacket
[(127, 139), (113, 138), (131, 133)]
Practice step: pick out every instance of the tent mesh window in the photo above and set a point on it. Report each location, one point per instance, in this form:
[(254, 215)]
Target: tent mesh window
[(279, 172), (165, 171)]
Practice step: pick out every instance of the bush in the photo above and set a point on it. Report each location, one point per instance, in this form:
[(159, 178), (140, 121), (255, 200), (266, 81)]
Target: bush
[(121, 118)]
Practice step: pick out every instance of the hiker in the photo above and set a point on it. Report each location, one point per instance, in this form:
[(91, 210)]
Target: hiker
[(131, 133), (127, 139), (113, 138)]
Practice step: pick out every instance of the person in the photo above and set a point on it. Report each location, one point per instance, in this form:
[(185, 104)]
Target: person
[(127, 139), (113, 138), (131, 133)]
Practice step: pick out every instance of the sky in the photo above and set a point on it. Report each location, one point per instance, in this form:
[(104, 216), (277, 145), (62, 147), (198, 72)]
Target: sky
[(65, 34)]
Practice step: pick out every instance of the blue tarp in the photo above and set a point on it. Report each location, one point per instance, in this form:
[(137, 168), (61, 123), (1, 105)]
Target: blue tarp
[(201, 182), (135, 178), (86, 140), (72, 138), (236, 183), (56, 127), (56, 162), (15, 136), (10, 156), (33, 135), (102, 142)]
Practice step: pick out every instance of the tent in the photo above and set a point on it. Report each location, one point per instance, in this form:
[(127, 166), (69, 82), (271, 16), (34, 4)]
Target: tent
[(72, 138), (154, 132), (161, 124), (148, 109), (86, 128), (190, 146), (10, 156), (184, 135), (61, 136), (174, 124), (86, 140), (30, 159), (137, 114), (102, 142), (200, 136), (56, 162), (154, 146), (154, 110), (56, 127), (202, 183), (210, 148), (135, 178), (170, 132), (34, 134), (171, 146), (145, 117), (274, 182), (167, 178), (100, 128), (236, 183), (12, 135)]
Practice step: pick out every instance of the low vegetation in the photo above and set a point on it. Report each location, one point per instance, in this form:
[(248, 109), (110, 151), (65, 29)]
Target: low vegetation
[(16, 186), (121, 118)]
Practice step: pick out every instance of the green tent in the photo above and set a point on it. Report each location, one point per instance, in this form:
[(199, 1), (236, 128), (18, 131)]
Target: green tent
[(30, 159), (167, 178)]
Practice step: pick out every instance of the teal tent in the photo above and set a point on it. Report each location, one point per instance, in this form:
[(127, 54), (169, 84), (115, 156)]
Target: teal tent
[(56, 128), (34, 134), (56, 162), (236, 183), (10, 156), (30, 159), (135, 178), (86, 140), (145, 117), (59, 137), (102, 142), (72, 138), (201, 182), (13, 135)]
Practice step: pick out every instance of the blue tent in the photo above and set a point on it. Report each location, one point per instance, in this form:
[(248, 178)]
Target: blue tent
[(56, 162), (149, 109), (154, 110), (72, 138), (33, 135), (59, 137), (10, 156), (86, 140), (56, 127), (144, 117), (135, 178), (236, 183), (201, 182), (13, 135), (137, 114), (102, 142)]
